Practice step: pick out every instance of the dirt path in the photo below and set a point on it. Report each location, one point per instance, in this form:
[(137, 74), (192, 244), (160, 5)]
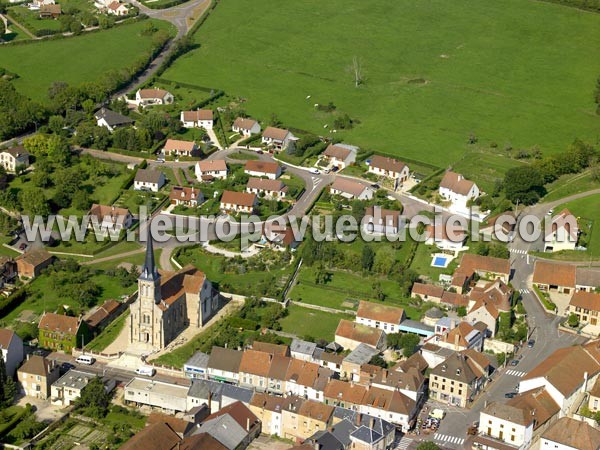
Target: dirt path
[(117, 256), (21, 27)]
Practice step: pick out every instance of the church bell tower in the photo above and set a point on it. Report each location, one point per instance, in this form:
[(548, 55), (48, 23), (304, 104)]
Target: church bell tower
[(149, 279)]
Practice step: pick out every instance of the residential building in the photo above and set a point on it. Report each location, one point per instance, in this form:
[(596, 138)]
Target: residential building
[(516, 422), (271, 189), (306, 379), (494, 292), (277, 138), (310, 417), (487, 267), (393, 406), (216, 394), (158, 436), (168, 303), (155, 96), (376, 315), (50, 11), (197, 366), (235, 426), (67, 389), (587, 278), (186, 196), (554, 277), (246, 127), (563, 232), (98, 318), (340, 155), (354, 362), (62, 333), (457, 190), (148, 180), (277, 374), (586, 307), (238, 202), (389, 167), (268, 169), (594, 397), (31, 263), (350, 335), (351, 189), (209, 170), (570, 434), (11, 350), (427, 292), (434, 355), (381, 221), (304, 350), (176, 147), (270, 409), (8, 271), (200, 118), (157, 394), (500, 225), (374, 426), (111, 120), (278, 237), (36, 375), (254, 370), (457, 380), (410, 382), (567, 374), (344, 394), (14, 157), (445, 237), (224, 365), (464, 336), (110, 218), (180, 426), (117, 9)]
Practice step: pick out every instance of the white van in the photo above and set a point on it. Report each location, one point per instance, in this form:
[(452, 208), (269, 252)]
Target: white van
[(146, 371), (85, 359)]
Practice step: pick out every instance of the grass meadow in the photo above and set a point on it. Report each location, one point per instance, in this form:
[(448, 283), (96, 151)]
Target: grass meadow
[(512, 72), (75, 60)]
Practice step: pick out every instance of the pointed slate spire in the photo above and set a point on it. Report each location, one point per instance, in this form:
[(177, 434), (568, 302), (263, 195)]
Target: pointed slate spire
[(149, 271)]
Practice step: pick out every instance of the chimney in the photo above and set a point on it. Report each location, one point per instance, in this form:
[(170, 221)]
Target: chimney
[(358, 419), (248, 424), (209, 401), (384, 373), (585, 380)]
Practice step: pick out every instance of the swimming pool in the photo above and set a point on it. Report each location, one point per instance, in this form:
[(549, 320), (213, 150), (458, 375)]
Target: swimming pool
[(440, 261)]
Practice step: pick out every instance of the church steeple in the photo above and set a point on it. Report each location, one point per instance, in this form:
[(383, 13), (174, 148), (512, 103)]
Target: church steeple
[(149, 272)]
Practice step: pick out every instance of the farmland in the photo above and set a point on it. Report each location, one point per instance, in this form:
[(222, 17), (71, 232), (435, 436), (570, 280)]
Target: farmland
[(82, 59), (510, 72)]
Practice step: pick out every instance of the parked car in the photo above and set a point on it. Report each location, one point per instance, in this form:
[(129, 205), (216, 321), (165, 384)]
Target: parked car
[(510, 394), (65, 367), (375, 186), (23, 246), (335, 169), (530, 343), (472, 430), (314, 171), (260, 152), (514, 362)]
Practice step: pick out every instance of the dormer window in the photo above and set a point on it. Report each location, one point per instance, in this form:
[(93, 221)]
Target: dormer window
[(457, 371)]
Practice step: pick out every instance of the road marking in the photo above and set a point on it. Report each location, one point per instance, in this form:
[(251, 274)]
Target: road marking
[(449, 439), (515, 373), (518, 251), (404, 443), (524, 291)]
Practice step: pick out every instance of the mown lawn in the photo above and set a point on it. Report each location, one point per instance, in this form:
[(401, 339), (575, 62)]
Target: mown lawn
[(109, 334), (310, 322), (512, 72), (75, 60), (570, 184)]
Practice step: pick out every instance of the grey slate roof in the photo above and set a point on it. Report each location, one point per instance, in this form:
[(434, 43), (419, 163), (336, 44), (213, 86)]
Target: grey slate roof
[(225, 359), (201, 388), (367, 435), (361, 354), (198, 359), (304, 347), (148, 175), (383, 427), (326, 440), (112, 118), (225, 430)]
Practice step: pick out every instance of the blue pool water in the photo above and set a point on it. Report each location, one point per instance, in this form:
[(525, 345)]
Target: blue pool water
[(439, 261)]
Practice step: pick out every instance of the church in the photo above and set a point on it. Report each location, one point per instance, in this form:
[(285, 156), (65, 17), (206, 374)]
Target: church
[(169, 302)]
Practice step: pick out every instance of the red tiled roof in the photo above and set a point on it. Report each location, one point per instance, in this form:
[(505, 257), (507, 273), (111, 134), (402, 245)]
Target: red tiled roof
[(261, 166), (379, 312), (557, 274), (238, 198), (389, 164)]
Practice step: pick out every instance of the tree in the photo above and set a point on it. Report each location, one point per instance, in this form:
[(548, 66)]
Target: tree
[(34, 202), (573, 321), (524, 184), (368, 257), (409, 343), (461, 311), (378, 361), (427, 446), (357, 71), (8, 388), (94, 400), (2, 29), (81, 200), (384, 260), (56, 124)]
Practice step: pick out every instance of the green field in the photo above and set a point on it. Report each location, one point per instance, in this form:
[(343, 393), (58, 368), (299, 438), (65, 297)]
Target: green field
[(82, 59), (309, 322), (509, 71)]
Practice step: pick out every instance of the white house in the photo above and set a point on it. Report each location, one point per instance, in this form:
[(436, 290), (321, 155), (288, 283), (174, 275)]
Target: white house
[(446, 237), (154, 96), (238, 202), (277, 138), (200, 118), (383, 317), (67, 389), (272, 189), (393, 406), (340, 155), (11, 346), (268, 169), (389, 167), (381, 221), (175, 147), (351, 334), (458, 191), (148, 180), (11, 158), (186, 196), (111, 217), (581, 363), (209, 170), (246, 127), (111, 120), (563, 232), (570, 434), (224, 365), (351, 189), (306, 379), (157, 394), (116, 8), (486, 312)]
